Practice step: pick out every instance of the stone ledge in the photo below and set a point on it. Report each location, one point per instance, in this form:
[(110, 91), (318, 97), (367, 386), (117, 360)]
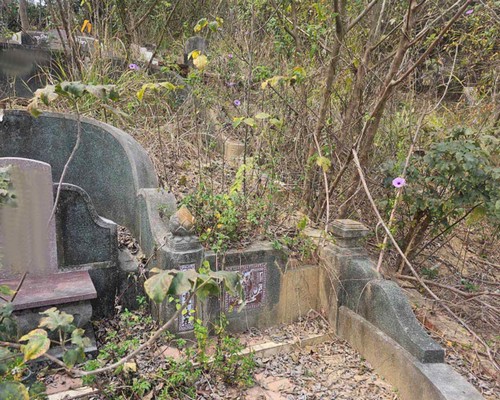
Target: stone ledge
[(52, 290), (413, 379)]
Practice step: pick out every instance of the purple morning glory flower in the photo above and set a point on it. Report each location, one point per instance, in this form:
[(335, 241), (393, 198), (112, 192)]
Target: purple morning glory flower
[(229, 56), (133, 67), (398, 182), (469, 12), (237, 103)]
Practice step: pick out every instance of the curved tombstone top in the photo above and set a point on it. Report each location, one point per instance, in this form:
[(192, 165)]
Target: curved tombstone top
[(109, 164), (27, 237)]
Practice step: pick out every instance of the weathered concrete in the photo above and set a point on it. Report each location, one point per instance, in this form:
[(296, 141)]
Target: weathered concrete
[(298, 293), (360, 287), (109, 164), (413, 379), (384, 305), (83, 236), (27, 231), (262, 268)]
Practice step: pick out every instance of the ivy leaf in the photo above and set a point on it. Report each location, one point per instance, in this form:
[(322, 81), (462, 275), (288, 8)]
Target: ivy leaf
[(14, 391), (158, 285), (38, 344), (55, 319)]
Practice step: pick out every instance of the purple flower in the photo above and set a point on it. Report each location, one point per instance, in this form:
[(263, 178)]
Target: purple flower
[(398, 182), (229, 56), (133, 67), (469, 12), (237, 103)]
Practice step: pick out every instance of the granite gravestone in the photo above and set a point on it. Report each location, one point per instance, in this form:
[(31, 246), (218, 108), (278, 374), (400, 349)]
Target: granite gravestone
[(27, 237), (192, 44)]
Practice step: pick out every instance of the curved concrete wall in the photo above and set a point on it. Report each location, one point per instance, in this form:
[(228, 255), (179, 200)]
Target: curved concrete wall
[(109, 164)]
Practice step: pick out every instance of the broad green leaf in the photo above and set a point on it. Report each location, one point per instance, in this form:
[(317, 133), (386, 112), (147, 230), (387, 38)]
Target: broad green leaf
[(213, 26), (278, 123), (231, 281), (168, 85), (73, 356), (38, 344), (55, 319), (13, 391), (76, 89), (262, 115), (237, 121), (157, 286), (200, 25), (211, 288), (183, 281), (250, 122), (5, 356)]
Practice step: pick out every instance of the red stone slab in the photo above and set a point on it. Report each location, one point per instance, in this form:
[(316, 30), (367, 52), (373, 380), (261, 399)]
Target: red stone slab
[(52, 289)]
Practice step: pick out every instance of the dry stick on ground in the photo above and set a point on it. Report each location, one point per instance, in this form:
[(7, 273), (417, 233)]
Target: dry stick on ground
[(413, 271), (453, 289)]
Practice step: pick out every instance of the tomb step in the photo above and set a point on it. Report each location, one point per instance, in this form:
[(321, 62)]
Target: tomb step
[(52, 289)]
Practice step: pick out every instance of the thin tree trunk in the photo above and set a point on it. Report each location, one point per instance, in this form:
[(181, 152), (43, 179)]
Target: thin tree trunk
[(23, 15), (327, 94)]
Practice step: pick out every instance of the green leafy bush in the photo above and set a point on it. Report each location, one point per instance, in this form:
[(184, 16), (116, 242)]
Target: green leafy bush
[(456, 178)]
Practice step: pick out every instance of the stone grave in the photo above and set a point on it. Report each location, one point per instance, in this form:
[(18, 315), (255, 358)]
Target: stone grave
[(29, 249), (192, 44)]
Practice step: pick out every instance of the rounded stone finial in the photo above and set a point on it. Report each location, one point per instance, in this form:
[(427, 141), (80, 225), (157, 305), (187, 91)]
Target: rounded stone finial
[(182, 222)]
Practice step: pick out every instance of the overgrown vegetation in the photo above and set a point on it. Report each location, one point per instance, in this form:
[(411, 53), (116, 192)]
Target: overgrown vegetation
[(299, 87)]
